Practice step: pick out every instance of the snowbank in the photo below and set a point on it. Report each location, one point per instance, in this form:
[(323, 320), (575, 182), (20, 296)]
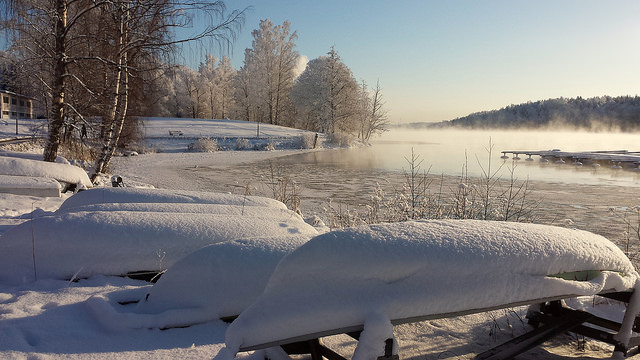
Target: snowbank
[(66, 173), (145, 195), (84, 243), (216, 281), (403, 270)]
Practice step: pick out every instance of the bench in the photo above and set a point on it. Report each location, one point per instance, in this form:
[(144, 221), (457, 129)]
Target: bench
[(549, 319)]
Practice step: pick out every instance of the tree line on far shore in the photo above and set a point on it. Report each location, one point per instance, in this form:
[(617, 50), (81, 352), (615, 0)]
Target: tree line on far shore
[(601, 113)]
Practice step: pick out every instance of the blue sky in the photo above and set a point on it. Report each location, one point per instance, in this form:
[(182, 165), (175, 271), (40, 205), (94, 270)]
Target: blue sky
[(437, 60)]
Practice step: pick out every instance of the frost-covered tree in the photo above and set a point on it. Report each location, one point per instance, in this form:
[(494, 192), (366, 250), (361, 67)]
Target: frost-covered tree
[(373, 119), (216, 78), (224, 75), (207, 72), (270, 65), (190, 92), (244, 92), (326, 96)]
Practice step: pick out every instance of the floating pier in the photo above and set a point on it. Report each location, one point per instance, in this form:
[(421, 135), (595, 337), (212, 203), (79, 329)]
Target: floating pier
[(616, 159)]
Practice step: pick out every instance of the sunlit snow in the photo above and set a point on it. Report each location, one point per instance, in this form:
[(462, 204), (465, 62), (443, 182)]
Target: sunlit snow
[(220, 251)]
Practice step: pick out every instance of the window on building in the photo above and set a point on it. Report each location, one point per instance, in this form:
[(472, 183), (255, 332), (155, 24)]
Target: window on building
[(5, 99), (21, 102), (13, 101)]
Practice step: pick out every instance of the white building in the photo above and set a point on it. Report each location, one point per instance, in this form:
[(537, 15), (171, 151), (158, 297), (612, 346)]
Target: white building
[(15, 106)]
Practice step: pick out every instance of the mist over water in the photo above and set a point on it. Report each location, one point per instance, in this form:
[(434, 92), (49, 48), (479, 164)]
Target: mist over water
[(456, 152)]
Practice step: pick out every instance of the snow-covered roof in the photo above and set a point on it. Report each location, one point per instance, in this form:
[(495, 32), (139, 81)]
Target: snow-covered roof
[(397, 271)]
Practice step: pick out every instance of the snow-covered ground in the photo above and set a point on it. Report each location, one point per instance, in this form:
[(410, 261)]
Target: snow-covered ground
[(109, 317), (175, 135)]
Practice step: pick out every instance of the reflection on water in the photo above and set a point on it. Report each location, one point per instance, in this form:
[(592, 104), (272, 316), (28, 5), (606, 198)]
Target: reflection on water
[(457, 152)]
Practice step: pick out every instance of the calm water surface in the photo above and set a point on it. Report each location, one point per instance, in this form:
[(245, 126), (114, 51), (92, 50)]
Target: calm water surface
[(455, 152)]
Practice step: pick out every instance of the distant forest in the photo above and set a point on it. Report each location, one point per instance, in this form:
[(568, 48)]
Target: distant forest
[(603, 113)]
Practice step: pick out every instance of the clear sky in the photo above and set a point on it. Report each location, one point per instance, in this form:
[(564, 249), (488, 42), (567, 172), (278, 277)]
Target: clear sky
[(438, 60)]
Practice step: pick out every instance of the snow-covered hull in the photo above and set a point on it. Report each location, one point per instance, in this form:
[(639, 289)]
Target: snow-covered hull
[(413, 270)]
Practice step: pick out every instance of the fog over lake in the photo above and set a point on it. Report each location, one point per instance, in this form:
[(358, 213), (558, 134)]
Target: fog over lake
[(458, 152)]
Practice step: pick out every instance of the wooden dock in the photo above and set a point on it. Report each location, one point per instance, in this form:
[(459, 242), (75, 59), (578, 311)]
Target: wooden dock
[(616, 159)]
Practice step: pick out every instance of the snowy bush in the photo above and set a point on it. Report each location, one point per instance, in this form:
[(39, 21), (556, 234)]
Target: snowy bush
[(630, 237), (242, 144), (307, 141), (341, 139), (269, 146), (282, 187), (204, 145)]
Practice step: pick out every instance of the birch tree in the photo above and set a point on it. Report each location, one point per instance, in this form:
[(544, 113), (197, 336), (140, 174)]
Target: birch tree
[(42, 30), (149, 31)]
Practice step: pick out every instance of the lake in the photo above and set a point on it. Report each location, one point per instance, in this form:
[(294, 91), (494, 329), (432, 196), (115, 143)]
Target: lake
[(455, 152)]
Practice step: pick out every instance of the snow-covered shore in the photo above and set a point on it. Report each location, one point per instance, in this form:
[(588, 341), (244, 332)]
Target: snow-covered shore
[(54, 319)]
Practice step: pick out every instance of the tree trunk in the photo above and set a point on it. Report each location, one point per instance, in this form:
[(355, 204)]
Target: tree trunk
[(56, 123), (111, 135)]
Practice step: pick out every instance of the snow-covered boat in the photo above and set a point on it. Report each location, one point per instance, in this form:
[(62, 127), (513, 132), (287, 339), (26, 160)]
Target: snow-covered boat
[(365, 280)]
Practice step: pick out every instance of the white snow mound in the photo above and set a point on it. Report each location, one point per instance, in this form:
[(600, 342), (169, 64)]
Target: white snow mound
[(69, 174), (85, 243), (217, 281), (411, 269), (145, 195)]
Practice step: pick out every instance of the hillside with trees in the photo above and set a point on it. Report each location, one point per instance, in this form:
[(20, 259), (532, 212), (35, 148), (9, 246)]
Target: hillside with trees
[(603, 113), (101, 65)]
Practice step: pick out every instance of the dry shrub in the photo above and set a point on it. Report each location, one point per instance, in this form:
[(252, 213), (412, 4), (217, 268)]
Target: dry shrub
[(204, 145)]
